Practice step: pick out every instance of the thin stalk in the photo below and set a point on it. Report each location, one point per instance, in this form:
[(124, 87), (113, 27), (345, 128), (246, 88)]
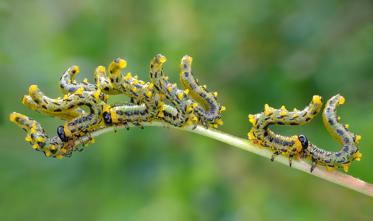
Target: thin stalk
[(337, 177)]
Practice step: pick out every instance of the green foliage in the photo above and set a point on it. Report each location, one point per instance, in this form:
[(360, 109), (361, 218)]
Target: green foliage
[(252, 52)]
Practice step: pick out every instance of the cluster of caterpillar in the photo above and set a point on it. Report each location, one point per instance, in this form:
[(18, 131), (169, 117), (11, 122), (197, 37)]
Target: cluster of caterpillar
[(155, 100), (299, 146)]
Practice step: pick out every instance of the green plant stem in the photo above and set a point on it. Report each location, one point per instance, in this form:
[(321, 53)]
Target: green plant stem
[(337, 177)]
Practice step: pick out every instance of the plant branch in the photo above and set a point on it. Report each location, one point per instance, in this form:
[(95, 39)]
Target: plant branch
[(337, 177)]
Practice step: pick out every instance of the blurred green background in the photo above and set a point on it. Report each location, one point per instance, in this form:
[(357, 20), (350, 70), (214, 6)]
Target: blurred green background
[(253, 52)]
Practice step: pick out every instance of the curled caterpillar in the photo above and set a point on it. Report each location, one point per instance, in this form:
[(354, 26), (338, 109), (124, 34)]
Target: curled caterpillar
[(348, 152), (69, 85), (290, 146), (36, 136), (300, 146), (208, 110)]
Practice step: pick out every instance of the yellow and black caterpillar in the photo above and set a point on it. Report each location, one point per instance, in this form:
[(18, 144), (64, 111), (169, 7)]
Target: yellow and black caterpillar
[(299, 145), (147, 103)]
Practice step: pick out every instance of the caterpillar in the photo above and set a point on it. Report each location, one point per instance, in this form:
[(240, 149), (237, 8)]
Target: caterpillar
[(300, 146), (209, 110), (36, 136), (290, 146), (349, 150)]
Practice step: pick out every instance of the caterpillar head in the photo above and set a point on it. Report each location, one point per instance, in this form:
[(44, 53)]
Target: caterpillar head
[(61, 133), (107, 118), (156, 66), (116, 65), (304, 141)]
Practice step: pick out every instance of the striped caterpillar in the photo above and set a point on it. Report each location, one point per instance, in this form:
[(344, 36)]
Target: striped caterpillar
[(290, 146), (38, 139), (348, 152), (300, 146)]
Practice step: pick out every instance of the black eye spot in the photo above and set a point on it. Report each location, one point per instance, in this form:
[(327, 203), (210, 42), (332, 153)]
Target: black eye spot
[(61, 133), (107, 118), (303, 140)]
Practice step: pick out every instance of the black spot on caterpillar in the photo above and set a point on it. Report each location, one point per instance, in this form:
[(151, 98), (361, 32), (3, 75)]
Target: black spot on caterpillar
[(348, 152), (290, 146)]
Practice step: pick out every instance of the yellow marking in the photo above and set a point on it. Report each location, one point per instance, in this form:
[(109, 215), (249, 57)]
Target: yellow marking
[(135, 81), (267, 110), (53, 147), (149, 94), (295, 115), (35, 146), (160, 114), (59, 156), (194, 105), (85, 80), (66, 130), (357, 156), (106, 108), (251, 135), (47, 153), (135, 90), (170, 88), (347, 126), (75, 68), (180, 96), (65, 97), (162, 59), (63, 150), (252, 119), (79, 91), (219, 122), (150, 86), (328, 168), (357, 139), (215, 94), (128, 76), (122, 63), (204, 86), (222, 109), (33, 89), (186, 91), (101, 69), (13, 116), (339, 118), (28, 138), (40, 139), (297, 143), (97, 94), (283, 111), (316, 99), (295, 110), (114, 116), (341, 100), (346, 167)]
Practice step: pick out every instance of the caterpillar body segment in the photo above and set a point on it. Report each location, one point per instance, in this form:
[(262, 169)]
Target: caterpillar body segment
[(39, 106), (349, 150), (279, 144), (69, 85)]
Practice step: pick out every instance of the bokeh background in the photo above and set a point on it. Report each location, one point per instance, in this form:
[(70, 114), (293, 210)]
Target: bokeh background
[(252, 52)]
